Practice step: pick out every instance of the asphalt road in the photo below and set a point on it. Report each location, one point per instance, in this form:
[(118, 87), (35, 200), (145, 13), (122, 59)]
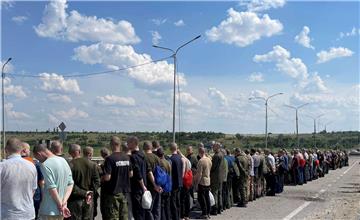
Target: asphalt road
[(335, 196)]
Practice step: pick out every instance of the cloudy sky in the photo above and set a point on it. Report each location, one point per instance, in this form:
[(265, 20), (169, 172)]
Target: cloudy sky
[(307, 50)]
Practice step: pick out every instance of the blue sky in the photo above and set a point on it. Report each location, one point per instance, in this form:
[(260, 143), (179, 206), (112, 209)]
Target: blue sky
[(307, 50)]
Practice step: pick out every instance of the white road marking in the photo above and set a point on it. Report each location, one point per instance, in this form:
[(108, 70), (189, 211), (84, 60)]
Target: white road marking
[(350, 167), (296, 211)]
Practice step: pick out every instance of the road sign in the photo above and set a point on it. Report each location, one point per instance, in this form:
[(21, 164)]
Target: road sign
[(62, 126), (62, 136)]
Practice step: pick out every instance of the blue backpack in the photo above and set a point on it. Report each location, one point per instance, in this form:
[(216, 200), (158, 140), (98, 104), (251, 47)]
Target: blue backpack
[(162, 179)]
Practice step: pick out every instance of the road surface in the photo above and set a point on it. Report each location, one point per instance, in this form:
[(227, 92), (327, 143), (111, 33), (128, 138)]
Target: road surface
[(335, 196)]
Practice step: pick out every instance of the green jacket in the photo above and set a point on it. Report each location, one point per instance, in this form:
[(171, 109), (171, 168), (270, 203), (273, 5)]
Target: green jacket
[(243, 165), (216, 172)]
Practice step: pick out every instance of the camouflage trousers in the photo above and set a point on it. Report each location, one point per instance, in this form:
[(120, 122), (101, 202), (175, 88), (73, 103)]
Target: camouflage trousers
[(114, 207), (250, 188), (80, 210)]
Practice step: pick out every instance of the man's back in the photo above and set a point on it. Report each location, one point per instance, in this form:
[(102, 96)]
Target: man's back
[(18, 181), (85, 176), (57, 174), (118, 166), (204, 166), (176, 169)]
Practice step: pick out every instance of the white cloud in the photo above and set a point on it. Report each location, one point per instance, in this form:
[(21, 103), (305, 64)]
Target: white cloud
[(217, 96), (179, 23), (11, 90), (263, 5), (115, 100), (243, 28), (58, 98), (333, 53), (14, 114), (314, 84), (188, 100), (256, 77), (58, 24), (52, 82), (145, 114), (294, 67), (354, 32), (157, 75), (303, 38), (258, 93), (159, 21), (156, 37), (19, 19), (72, 113)]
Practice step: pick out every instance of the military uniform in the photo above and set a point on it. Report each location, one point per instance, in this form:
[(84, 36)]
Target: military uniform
[(243, 165), (262, 173), (216, 178)]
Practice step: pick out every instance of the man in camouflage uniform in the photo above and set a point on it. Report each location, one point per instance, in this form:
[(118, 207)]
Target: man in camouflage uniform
[(216, 178), (243, 165), (262, 173), (250, 184)]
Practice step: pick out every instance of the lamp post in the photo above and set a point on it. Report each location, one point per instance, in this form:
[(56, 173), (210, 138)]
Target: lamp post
[(3, 106), (174, 53), (266, 112), (297, 121), (315, 118)]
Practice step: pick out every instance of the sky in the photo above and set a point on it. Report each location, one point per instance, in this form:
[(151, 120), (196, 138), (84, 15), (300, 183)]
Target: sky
[(309, 51)]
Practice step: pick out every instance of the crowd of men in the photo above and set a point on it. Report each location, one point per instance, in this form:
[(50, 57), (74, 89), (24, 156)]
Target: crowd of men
[(51, 186)]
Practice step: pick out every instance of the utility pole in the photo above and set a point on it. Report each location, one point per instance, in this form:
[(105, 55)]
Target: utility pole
[(174, 53), (266, 112), (297, 120), (314, 119), (3, 107)]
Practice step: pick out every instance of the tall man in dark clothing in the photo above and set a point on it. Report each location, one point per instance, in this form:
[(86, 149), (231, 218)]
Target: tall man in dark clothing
[(194, 161), (116, 178), (151, 162), (177, 174), (86, 182), (216, 178), (138, 180)]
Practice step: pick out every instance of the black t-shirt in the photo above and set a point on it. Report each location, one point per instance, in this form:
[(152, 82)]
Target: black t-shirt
[(118, 165), (176, 169), (139, 171)]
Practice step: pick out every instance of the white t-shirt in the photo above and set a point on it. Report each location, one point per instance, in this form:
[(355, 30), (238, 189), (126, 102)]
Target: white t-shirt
[(18, 183)]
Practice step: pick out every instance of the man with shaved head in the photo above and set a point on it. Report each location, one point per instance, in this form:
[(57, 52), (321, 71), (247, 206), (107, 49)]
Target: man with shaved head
[(25, 154), (58, 183), (18, 183), (138, 180), (86, 182), (56, 148), (177, 175), (202, 183)]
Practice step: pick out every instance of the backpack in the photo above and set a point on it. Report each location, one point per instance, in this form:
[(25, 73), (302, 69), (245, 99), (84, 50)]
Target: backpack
[(187, 179), (168, 185), (160, 176)]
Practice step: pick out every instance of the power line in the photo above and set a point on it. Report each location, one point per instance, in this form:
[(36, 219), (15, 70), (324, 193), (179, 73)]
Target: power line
[(94, 73)]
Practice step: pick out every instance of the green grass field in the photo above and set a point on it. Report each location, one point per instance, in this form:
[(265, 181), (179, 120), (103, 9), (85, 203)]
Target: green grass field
[(97, 140)]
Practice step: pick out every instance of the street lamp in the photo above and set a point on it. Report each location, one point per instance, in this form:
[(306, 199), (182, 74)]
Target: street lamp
[(297, 124), (3, 105), (266, 112), (315, 118), (174, 53)]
